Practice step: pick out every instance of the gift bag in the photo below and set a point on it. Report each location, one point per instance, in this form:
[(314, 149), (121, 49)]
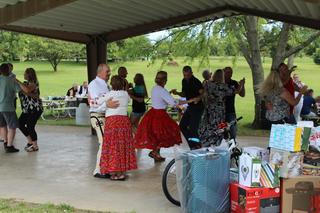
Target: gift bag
[(314, 138), (203, 180), (290, 163), (285, 137), (249, 170), (270, 175)]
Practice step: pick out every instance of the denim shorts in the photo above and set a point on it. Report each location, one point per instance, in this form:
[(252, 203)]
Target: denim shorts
[(9, 119)]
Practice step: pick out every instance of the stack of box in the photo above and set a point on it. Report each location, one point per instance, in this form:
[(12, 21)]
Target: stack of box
[(286, 142), (259, 188)]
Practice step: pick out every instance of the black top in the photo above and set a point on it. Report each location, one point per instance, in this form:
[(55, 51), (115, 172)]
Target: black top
[(69, 92), (230, 99), (191, 89)]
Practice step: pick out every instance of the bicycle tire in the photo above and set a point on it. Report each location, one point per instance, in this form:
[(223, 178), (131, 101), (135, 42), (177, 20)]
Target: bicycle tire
[(165, 184)]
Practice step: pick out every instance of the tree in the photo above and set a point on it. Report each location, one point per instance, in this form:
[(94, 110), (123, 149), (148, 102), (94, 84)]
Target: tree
[(12, 46), (254, 39), (76, 51), (52, 50), (248, 33), (316, 56), (138, 47)]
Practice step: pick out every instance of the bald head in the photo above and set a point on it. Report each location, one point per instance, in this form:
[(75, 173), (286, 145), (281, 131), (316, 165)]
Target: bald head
[(103, 71)]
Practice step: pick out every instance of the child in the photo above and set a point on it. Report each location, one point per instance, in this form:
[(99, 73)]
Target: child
[(118, 154), (138, 94)]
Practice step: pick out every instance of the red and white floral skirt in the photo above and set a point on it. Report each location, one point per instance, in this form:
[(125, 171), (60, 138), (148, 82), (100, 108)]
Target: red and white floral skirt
[(118, 153)]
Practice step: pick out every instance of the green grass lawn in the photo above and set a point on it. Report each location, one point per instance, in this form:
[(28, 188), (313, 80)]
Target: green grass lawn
[(13, 206), (57, 83)]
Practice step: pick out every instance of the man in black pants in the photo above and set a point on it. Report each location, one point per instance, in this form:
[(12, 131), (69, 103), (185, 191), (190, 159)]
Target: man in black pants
[(191, 88), (230, 100)]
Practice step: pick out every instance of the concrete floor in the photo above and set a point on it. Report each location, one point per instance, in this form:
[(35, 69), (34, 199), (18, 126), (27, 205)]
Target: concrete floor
[(61, 172)]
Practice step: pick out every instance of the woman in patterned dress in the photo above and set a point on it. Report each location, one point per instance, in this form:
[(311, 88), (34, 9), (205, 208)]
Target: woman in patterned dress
[(118, 154), (214, 112), (32, 109)]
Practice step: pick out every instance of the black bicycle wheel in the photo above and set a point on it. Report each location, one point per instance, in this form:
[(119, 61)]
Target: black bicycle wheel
[(169, 184)]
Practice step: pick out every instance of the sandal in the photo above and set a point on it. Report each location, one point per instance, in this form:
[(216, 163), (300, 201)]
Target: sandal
[(32, 148), (27, 146), (116, 177), (156, 157), (122, 177), (151, 154)]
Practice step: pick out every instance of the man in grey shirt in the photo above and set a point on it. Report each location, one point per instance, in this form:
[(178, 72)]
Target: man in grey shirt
[(8, 116)]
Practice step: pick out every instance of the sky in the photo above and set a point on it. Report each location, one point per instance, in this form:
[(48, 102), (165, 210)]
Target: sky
[(156, 35)]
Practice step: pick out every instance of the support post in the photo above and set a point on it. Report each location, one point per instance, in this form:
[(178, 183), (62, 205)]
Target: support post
[(96, 54)]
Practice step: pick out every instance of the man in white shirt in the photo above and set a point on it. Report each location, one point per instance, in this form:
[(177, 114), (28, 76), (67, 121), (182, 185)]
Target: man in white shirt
[(97, 89)]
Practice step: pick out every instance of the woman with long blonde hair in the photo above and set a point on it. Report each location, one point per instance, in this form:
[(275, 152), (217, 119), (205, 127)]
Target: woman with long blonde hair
[(279, 98)]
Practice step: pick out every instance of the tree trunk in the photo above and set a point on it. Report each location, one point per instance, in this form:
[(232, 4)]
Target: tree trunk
[(257, 77), (291, 61), (279, 55), (255, 64)]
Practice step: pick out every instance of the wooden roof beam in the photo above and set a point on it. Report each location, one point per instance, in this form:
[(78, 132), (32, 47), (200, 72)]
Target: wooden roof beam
[(21, 10), (55, 34)]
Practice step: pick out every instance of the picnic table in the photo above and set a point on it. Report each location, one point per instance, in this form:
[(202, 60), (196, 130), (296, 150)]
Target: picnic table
[(58, 107)]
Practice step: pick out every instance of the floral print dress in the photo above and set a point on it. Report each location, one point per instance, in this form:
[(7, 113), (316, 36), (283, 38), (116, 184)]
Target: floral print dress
[(214, 112)]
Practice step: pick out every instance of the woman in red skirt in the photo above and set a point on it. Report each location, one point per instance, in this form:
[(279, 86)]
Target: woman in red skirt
[(157, 129), (118, 154)]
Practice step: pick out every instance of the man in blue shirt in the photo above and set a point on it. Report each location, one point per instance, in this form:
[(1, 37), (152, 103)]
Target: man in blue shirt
[(308, 104)]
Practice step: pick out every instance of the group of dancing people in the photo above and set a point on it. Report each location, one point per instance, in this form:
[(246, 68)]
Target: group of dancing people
[(31, 105), (155, 129)]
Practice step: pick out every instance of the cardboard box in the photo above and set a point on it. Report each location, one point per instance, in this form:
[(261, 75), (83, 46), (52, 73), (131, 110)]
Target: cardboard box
[(255, 151), (254, 200), (285, 137), (300, 194), (249, 171), (291, 163)]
